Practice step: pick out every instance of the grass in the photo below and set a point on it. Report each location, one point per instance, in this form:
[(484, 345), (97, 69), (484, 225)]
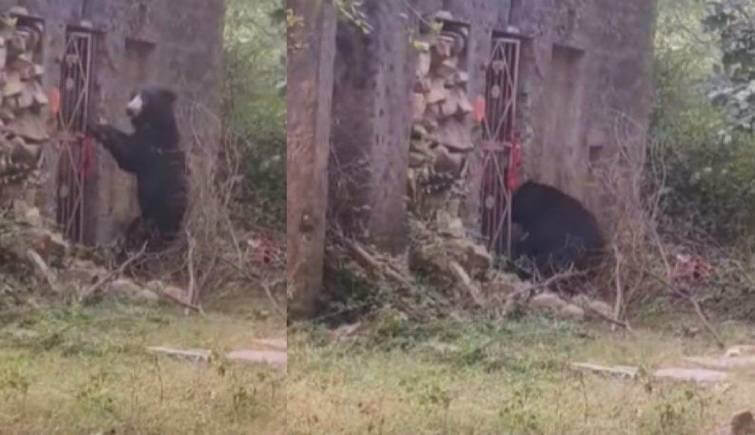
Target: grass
[(81, 370), (453, 378)]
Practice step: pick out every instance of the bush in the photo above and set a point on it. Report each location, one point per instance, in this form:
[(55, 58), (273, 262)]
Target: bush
[(702, 169), (255, 106), (710, 177)]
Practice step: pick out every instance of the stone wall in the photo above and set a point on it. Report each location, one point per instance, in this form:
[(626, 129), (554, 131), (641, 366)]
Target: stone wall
[(176, 44), (371, 124), (589, 61), (582, 61)]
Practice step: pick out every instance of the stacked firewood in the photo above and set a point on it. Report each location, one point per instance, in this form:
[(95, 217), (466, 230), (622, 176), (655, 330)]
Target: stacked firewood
[(441, 132), (24, 113), (440, 145)]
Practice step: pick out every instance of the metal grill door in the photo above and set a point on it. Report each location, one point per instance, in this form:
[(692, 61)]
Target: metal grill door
[(501, 78), (76, 153)]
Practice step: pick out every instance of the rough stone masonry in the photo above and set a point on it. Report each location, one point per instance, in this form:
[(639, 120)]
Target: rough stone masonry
[(136, 42), (583, 64)]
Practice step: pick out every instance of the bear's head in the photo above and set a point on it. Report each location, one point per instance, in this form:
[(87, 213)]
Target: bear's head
[(151, 105)]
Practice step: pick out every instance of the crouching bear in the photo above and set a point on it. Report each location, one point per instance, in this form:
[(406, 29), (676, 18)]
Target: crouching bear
[(559, 232), (152, 153)]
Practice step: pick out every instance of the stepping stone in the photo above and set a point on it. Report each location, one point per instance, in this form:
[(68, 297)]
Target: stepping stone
[(740, 350), (190, 354), (620, 371), (274, 358), (723, 363), (280, 344), (694, 375), (442, 348)]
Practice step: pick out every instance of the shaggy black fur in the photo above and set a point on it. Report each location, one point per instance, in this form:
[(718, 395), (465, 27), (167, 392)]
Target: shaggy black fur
[(153, 155), (559, 231)]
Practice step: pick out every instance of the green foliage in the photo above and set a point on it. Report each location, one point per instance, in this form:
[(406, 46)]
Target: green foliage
[(709, 177), (733, 23), (351, 10), (86, 368), (492, 377), (254, 103)]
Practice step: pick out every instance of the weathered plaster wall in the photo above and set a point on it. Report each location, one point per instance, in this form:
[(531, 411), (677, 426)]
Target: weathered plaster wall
[(582, 61), (599, 54), (148, 41), (374, 74), (372, 83)]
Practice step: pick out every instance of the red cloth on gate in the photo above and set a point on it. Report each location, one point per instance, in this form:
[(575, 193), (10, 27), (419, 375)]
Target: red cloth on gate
[(515, 162)]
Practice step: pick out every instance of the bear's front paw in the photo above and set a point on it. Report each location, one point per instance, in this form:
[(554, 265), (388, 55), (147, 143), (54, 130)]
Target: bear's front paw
[(94, 128), (99, 131)]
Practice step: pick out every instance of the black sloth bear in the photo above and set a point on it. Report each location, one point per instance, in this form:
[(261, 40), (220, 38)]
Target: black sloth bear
[(559, 232), (153, 155)]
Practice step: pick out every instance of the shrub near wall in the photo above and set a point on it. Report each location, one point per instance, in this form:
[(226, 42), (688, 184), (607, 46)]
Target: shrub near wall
[(255, 106), (710, 177)]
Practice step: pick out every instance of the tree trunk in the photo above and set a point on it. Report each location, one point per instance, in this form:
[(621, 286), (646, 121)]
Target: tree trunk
[(311, 50)]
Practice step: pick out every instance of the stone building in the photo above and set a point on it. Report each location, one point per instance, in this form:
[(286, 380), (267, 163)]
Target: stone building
[(576, 68), (95, 53)]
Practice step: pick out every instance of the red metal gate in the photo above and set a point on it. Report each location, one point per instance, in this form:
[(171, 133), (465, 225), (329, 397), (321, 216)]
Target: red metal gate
[(498, 133), (76, 152)]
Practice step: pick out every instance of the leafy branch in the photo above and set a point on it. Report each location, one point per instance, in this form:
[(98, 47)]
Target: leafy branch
[(352, 10), (733, 87)]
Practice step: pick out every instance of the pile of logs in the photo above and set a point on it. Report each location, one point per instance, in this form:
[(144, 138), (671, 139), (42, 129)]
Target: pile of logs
[(440, 145), (24, 112), (441, 131)]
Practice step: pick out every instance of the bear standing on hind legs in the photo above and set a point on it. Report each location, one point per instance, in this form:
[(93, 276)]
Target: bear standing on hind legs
[(151, 153)]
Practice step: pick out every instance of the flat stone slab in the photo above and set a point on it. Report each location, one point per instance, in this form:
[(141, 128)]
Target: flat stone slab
[(271, 357), (694, 375), (723, 363), (740, 350), (190, 354), (274, 358), (442, 348), (273, 343), (620, 371)]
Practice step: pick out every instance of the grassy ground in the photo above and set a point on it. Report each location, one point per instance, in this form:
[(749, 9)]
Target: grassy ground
[(85, 371), (486, 379)]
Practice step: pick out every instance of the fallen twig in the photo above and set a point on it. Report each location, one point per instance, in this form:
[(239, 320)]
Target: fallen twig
[(619, 290), (371, 263), (269, 293), (44, 270), (698, 309), (607, 318), (526, 293), (255, 277), (381, 270), (675, 290), (704, 319), (466, 282), (177, 299), (89, 292), (192, 291)]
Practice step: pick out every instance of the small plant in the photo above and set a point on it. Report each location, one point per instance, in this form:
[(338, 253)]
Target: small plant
[(515, 415), (95, 392), (352, 11), (13, 380), (679, 410), (243, 400), (292, 20), (732, 85)]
